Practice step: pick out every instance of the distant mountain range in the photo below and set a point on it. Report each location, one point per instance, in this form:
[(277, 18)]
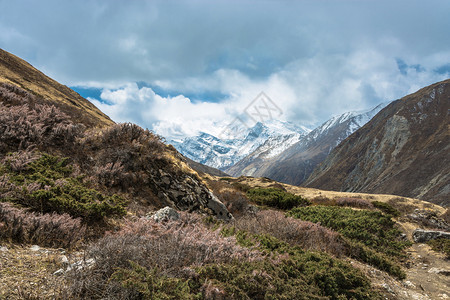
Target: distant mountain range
[(224, 153), (296, 162), (279, 150)]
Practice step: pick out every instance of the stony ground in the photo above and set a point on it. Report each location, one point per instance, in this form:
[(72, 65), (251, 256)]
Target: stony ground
[(427, 276), (27, 272)]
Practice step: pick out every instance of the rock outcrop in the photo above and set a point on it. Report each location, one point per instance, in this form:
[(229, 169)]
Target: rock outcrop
[(185, 192), (422, 236), (428, 219)]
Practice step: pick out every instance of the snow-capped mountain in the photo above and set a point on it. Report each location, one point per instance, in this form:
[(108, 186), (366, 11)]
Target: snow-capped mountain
[(353, 121), (224, 152), (294, 164)]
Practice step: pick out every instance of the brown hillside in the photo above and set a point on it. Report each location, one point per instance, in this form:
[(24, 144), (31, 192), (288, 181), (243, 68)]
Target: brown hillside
[(404, 150), (16, 71)]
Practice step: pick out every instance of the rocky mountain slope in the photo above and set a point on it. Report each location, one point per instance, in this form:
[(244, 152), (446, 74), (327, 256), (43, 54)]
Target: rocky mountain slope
[(403, 150), (224, 152), (296, 163)]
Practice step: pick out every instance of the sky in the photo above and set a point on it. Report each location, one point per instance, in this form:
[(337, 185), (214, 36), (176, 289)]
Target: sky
[(181, 67)]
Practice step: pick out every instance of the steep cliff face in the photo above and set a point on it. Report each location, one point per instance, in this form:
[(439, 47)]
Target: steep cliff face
[(404, 150), (297, 162)]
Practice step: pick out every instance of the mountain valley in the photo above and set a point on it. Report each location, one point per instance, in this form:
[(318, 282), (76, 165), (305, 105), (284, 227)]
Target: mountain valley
[(91, 209)]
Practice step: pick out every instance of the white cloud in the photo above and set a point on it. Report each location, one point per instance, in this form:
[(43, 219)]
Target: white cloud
[(307, 92), (170, 116)]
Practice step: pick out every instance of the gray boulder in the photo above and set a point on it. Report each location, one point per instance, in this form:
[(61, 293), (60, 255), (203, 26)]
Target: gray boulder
[(422, 236), (165, 214)]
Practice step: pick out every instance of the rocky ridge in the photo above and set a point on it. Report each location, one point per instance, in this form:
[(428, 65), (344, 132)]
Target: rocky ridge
[(403, 150)]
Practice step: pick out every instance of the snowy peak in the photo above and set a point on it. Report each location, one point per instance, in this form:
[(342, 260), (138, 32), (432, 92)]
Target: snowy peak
[(355, 120), (292, 158), (224, 152)]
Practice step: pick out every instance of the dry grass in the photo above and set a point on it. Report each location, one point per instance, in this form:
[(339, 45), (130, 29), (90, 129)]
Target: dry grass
[(27, 274), (311, 193)]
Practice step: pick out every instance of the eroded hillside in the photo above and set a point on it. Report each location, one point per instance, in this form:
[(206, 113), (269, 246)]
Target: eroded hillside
[(404, 150)]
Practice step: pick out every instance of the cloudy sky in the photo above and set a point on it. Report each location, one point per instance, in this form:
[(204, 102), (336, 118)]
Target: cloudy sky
[(180, 67)]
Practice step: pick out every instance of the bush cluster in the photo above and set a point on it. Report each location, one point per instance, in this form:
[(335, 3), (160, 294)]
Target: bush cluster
[(49, 230), (171, 247), (386, 208), (25, 123), (276, 198), (372, 235), (354, 202), (295, 232), (46, 185), (441, 245), (235, 201), (184, 259), (372, 228)]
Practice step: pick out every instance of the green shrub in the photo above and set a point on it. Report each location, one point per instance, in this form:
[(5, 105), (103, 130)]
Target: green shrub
[(376, 259), (47, 185), (440, 245), (298, 274), (150, 284), (226, 179), (386, 208), (241, 186), (372, 236), (276, 198), (371, 228)]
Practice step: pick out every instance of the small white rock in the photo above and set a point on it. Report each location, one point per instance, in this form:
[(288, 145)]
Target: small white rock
[(35, 248), (58, 272), (64, 260), (388, 288), (409, 284), (3, 248)]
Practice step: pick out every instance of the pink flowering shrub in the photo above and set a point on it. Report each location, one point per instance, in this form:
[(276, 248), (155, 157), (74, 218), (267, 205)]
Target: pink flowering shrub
[(308, 235), (50, 230), (354, 202), (174, 247), (25, 123)]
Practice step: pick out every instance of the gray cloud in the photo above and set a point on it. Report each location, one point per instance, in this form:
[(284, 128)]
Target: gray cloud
[(319, 57)]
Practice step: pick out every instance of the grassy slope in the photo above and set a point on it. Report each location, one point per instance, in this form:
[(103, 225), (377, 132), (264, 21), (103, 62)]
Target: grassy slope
[(16, 71)]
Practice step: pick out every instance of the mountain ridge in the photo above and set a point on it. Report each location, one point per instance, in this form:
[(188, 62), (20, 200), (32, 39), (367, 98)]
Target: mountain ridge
[(408, 141), (296, 163), (221, 153)]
